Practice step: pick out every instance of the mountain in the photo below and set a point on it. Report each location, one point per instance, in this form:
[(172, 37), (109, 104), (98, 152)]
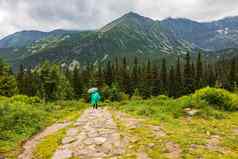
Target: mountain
[(24, 38), (130, 35), (211, 36), (21, 39)]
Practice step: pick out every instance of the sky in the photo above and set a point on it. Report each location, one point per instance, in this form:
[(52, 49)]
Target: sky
[(47, 15)]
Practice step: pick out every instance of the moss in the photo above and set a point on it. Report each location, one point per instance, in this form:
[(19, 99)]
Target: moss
[(46, 148)]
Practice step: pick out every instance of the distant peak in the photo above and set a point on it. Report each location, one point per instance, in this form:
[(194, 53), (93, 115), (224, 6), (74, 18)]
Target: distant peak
[(132, 14), (230, 18)]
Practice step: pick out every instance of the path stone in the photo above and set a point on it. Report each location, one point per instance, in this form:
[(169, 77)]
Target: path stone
[(63, 154), (158, 132), (213, 142), (213, 145), (1, 157), (94, 136), (129, 121), (173, 149), (31, 144), (142, 155), (235, 130)]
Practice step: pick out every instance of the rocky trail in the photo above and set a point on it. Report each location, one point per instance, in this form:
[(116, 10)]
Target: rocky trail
[(108, 134), (94, 135)]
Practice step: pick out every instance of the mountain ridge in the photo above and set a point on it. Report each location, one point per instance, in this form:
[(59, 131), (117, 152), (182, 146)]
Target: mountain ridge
[(128, 35), (210, 35)]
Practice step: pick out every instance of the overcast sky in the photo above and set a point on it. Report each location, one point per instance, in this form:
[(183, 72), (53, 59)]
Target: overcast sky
[(46, 15)]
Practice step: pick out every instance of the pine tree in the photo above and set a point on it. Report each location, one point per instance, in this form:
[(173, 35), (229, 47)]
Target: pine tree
[(178, 80), (125, 78), (135, 74), (148, 80), (76, 83), (155, 81), (53, 84), (20, 80), (8, 84), (188, 80), (30, 83), (211, 76), (163, 75), (116, 70), (171, 90), (86, 76), (232, 75), (199, 72), (108, 74), (99, 76), (193, 76)]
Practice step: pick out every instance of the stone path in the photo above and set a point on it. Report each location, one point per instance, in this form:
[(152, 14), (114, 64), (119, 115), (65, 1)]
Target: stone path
[(31, 144), (94, 136)]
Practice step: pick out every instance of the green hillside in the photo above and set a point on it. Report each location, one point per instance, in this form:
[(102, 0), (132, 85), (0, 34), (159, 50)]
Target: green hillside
[(128, 35)]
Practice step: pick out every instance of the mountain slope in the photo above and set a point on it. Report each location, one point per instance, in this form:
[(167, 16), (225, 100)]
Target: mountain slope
[(129, 35), (21, 39), (216, 35), (24, 38)]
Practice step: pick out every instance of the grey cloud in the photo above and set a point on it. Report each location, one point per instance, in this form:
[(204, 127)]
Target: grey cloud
[(16, 15)]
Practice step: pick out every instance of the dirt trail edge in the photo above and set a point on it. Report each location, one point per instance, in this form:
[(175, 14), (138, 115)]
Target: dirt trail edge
[(31, 144), (95, 135)]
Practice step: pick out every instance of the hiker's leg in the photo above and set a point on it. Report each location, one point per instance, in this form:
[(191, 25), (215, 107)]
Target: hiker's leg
[(96, 105)]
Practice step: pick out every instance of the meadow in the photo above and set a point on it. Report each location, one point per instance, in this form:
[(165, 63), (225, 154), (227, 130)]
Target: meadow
[(190, 121)]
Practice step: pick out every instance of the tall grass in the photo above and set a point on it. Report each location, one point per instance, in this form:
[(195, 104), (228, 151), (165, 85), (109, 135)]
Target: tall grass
[(22, 116), (211, 102)]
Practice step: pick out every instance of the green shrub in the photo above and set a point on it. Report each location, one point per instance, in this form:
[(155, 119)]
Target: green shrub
[(136, 98), (20, 118), (136, 95), (218, 98), (23, 116), (124, 96), (25, 99)]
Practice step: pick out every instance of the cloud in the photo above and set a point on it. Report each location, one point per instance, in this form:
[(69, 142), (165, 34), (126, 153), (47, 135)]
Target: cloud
[(17, 15)]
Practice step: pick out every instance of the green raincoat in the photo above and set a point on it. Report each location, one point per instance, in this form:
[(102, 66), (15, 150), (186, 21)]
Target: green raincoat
[(95, 98)]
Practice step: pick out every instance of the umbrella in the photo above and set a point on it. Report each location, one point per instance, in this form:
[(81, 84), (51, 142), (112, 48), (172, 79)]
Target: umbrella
[(92, 90)]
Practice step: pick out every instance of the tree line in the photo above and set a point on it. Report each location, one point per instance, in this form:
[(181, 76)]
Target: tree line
[(118, 77)]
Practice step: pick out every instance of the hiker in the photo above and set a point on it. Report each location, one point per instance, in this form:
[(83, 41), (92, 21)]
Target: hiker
[(94, 97)]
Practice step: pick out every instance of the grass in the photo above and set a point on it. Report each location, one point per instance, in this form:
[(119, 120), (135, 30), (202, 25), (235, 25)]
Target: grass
[(22, 117), (46, 148), (213, 119)]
